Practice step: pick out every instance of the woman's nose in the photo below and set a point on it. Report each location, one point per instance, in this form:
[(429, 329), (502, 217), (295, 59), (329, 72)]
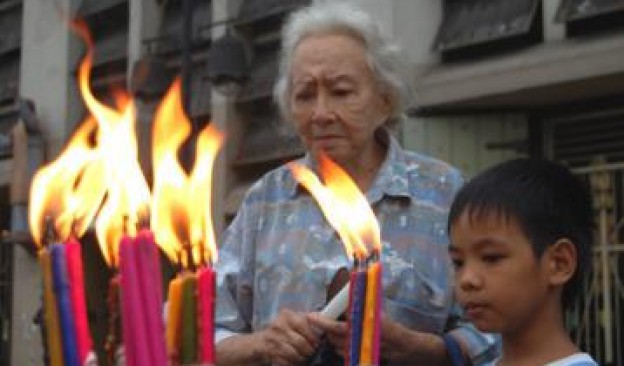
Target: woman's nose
[(322, 110)]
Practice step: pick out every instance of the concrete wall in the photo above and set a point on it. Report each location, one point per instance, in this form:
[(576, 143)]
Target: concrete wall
[(463, 140), (44, 37)]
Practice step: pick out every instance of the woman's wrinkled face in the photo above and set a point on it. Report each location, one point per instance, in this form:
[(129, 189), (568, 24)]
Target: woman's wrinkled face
[(335, 100)]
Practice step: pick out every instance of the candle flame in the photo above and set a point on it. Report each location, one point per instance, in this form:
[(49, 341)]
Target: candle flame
[(127, 197), (98, 177), (344, 206), (68, 190), (181, 202)]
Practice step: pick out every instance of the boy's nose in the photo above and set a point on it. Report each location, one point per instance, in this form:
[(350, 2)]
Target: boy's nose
[(469, 279)]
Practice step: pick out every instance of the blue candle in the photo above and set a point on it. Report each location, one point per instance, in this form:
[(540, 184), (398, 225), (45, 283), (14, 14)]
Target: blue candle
[(357, 312), (63, 302)]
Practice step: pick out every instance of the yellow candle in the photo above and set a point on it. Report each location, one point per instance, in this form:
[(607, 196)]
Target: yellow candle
[(53, 332), (368, 323), (173, 316)]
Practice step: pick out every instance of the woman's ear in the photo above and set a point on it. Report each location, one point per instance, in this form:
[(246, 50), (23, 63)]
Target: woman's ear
[(561, 261)]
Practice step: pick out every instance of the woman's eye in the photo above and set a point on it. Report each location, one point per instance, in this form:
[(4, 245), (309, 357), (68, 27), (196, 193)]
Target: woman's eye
[(342, 92), (303, 96)]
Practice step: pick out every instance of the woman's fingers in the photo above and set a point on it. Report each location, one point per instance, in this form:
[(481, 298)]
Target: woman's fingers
[(336, 331), (290, 338)]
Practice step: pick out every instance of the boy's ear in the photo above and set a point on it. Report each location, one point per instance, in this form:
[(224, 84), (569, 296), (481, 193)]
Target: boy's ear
[(561, 261)]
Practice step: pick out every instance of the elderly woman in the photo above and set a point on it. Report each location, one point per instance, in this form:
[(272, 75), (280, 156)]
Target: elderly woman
[(342, 84)]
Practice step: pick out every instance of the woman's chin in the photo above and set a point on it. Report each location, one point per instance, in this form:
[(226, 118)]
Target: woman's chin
[(336, 153)]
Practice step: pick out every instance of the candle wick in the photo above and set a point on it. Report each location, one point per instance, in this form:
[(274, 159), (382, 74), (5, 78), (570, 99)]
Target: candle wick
[(143, 222), (49, 233), (124, 224), (189, 256)]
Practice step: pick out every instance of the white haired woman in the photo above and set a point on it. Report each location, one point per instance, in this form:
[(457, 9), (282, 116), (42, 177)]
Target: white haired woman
[(341, 84)]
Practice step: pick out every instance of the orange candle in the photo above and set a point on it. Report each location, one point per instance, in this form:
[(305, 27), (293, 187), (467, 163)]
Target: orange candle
[(174, 310), (369, 316)]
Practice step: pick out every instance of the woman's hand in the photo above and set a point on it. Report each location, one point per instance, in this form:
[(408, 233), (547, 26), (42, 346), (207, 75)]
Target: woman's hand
[(289, 339), (336, 331)]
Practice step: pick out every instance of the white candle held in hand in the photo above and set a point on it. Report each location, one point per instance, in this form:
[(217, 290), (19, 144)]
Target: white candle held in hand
[(338, 304)]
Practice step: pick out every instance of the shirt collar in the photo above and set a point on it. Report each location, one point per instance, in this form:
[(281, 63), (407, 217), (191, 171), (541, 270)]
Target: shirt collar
[(391, 180)]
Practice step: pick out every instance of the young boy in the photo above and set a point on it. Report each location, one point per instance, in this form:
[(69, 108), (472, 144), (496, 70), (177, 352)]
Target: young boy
[(521, 241)]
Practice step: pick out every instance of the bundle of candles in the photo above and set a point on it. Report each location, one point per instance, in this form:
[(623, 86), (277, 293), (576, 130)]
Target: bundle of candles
[(97, 179), (57, 217), (68, 338), (190, 330), (349, 213), (183, 227)]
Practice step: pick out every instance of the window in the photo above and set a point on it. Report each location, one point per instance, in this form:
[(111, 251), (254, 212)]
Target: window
[(584, 17), (476, 28)]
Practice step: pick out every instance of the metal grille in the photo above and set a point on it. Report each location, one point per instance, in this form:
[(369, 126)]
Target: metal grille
[(579, 140), (597, 320), (6, 278), (10, 44), (593, 145), (108, 23)]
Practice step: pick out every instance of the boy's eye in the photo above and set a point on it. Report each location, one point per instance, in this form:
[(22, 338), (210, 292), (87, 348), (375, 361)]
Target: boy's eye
[(457, 263), (492, 258)]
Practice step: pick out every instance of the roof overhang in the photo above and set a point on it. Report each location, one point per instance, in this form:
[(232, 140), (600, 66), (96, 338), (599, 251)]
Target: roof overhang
[(542, 75)]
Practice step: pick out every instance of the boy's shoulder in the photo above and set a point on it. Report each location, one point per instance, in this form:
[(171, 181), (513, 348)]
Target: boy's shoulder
[(577, 359)]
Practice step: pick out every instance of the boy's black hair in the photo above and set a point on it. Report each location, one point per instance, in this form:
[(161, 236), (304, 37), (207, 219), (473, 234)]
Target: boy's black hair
[(546, 200)]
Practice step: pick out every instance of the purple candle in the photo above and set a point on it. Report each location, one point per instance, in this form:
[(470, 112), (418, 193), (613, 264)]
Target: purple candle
[(63, 303), (358, 282)]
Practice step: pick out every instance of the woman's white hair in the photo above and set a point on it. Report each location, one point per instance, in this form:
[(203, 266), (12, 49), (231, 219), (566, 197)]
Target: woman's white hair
[(386, 59)]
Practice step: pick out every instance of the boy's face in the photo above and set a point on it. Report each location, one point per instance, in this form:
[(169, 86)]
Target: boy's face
[(498, 279)]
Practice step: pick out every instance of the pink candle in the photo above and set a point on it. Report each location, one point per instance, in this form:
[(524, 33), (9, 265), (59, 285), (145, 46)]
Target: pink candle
[(378, 305), (206, 299), (134, 333), (149, 275), (74, 271)]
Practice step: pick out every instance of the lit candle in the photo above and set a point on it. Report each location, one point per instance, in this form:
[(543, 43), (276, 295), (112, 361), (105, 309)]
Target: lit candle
[(358, 282), (189, 323), (74, 270), (112, 300), (378, 302), (148, 269), (53, 330), (63, 303), (134, 334), (369, 316), (206, 303), (174, 313)]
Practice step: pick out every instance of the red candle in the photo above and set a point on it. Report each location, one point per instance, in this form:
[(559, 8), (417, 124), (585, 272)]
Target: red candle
[(206, 299), (149, 276), (74, 271), (134, 333)]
